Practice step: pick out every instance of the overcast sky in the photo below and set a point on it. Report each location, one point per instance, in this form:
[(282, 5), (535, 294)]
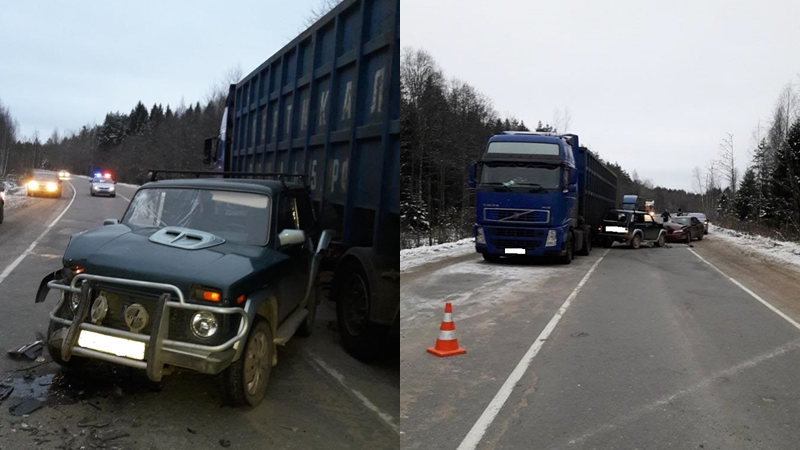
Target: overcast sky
[(67, 63), (652, 85)]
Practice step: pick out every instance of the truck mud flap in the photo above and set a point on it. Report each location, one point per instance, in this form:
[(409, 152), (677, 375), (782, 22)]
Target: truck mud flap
[(41, 294)]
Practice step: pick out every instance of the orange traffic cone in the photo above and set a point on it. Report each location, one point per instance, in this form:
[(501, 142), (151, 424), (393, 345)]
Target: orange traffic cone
[(447, 344)]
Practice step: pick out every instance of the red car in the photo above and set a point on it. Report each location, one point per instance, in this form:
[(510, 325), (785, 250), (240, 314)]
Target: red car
[(684, 229)]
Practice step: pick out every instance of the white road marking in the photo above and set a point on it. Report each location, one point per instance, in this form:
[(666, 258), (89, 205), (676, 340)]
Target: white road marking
[(753, 294), (702, 384), (30, 248), (475, 435), (126, 198), (321, 365)]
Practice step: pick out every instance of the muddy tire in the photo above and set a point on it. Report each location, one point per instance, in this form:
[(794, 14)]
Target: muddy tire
[(75, 362), (636, 241), (587, 245), (569, 253), (244, 382), (661, 240), (361, 338)]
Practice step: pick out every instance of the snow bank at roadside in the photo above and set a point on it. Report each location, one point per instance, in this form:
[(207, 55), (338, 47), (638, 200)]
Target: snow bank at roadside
[(413, 257), (16, 195), (784, 251)]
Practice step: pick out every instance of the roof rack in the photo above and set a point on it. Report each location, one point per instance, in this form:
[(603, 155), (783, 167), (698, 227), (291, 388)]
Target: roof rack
[(282, 176)]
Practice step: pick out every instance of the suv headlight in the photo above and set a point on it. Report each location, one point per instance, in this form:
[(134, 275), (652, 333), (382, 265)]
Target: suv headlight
[(480, 237), (552, 239), (204, 324)]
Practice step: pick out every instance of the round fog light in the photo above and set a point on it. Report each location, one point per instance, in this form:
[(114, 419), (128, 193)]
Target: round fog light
[(204, 324)]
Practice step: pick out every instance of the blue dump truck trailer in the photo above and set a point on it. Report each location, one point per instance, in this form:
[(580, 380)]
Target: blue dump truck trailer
[(539, 194), (327, 106)]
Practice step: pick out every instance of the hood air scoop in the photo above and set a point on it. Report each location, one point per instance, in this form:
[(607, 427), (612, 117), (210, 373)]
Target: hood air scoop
[(185, 238)]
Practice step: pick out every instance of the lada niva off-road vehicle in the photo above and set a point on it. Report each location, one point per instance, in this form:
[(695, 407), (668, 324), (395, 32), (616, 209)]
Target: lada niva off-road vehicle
[(632, 228), (201, 274)]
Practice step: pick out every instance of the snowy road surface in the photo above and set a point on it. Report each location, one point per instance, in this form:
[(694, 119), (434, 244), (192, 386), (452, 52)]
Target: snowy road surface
[(657, 350)]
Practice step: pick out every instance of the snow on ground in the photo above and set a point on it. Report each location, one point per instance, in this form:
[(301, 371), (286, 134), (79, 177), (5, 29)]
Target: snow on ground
[(783, 251), (413, 257), (474, 287), (15, 194)]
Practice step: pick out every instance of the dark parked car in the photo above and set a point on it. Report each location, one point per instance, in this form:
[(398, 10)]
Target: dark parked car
[(44, 184), (702, 218), (202, 274), (631, 228), (684, 229)]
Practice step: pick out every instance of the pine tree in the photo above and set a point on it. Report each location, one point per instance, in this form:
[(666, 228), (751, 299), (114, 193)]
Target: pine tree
[(746, 201)]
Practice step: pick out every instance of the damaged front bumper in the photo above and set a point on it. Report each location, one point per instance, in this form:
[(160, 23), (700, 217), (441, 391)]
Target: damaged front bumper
[(158, 349)]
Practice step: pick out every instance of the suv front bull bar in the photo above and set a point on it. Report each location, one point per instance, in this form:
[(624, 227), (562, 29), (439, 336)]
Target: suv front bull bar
[(156, 344)]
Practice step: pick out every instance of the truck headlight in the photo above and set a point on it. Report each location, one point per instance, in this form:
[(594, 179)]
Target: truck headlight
[(204, 324), (552, 239), (480, 237)]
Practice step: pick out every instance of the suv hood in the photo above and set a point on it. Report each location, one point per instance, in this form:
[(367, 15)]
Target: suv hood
[(118, 251)]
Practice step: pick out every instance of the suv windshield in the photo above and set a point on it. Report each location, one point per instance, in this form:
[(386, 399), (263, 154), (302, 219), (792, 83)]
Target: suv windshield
[(234, 216), (510, 174)]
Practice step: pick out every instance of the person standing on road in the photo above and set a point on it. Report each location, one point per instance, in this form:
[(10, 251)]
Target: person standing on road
[(665, 215)]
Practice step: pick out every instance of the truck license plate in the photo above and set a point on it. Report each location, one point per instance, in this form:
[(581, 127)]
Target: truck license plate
[(111, 344), (515, 251)]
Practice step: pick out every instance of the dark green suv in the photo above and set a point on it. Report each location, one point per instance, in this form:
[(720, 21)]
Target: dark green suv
[(632, 228), (202, 274)]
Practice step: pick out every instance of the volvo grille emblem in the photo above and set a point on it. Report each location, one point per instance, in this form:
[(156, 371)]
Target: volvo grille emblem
[(136, 317), (99, 309)]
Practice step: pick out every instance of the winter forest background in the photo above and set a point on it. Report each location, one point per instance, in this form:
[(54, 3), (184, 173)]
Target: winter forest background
[(446, 123)]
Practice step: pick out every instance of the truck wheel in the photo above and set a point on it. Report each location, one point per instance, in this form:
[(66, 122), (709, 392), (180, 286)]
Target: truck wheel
[(75, 362), (568, 251), (356, 292), (661, 240), (307, 327), (244, 382), (636, 241), (491, 258), (587, 245)]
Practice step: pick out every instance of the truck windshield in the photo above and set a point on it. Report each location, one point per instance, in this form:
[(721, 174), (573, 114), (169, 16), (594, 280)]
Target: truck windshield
[(523, 148), (234, 216), (545, 177)]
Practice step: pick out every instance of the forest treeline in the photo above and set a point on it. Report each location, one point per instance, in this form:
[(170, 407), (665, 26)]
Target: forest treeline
[(126, 144)]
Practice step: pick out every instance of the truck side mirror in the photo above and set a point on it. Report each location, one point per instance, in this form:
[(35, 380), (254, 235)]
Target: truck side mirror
[(324, 241), (290, 237), (471, 176)]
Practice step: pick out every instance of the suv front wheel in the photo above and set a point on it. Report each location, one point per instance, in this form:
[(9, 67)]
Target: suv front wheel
[(636, 241), (244, 382)]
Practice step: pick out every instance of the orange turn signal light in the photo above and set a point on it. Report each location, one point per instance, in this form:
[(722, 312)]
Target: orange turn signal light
[(211, 296), (240, 299)]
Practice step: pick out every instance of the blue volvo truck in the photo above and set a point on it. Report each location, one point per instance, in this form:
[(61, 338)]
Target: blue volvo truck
[(539, 194), (327, 106)]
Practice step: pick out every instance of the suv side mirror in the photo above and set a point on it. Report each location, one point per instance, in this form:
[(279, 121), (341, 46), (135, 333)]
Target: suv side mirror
[(110, 222), (290, 237)]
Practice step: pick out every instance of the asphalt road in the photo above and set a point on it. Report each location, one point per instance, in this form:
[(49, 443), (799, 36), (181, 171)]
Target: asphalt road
[(318, 397), (656, 350)]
